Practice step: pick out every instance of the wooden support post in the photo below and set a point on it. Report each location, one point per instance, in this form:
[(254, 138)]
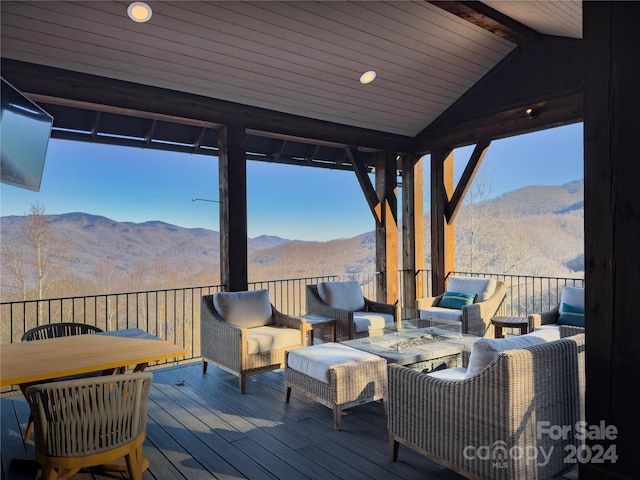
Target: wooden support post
[(442, 232), (387, 228), (232, 166), (412, 233), (612, 234)]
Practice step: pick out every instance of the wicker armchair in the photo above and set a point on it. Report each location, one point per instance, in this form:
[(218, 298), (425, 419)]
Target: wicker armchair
[(89, 422), (246, 335), (475, 318), (352, 323), (550, 318), (501, 407), (55, 330)]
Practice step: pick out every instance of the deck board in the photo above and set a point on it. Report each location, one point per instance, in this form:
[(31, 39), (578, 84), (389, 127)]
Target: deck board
[(201, 427)]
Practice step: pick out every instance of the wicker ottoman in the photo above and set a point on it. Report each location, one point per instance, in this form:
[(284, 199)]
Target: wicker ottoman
[(336, 376)]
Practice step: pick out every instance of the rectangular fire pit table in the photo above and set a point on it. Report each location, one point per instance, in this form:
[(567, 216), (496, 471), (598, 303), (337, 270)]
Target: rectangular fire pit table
[(424, 349)]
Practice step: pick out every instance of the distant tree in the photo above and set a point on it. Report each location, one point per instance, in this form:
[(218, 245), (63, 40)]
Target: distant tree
[(38, 260)]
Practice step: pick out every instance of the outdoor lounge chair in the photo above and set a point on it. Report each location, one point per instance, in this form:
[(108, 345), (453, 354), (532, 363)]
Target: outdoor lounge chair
[(567, 316), (89, 422), (484, 296), (356, 316), (494, 424), (242, 333)]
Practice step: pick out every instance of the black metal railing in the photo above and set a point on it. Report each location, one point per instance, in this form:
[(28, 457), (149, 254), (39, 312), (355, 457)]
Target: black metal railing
[(174, 314)]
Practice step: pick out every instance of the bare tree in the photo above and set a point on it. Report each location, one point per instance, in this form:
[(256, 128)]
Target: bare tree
[(38, 259)]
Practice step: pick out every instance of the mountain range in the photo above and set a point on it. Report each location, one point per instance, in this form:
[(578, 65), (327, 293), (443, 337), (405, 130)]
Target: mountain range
[(542, 226)]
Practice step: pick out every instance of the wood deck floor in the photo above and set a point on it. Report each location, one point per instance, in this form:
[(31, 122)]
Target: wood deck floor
[(200, 427)]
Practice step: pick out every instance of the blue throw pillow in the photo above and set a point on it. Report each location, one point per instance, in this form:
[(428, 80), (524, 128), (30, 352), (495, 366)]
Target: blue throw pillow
[(570, 315), (456, 300)]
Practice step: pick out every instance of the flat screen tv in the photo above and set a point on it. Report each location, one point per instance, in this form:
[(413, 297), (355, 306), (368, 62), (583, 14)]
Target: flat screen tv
[(25, 129)]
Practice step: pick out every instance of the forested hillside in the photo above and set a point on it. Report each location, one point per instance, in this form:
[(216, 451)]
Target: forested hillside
[(532, 231)]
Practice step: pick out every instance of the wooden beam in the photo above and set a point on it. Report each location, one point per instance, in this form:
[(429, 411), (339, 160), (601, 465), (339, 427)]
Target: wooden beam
[(387, 229), (412, 232), (545, 76), (612, 234), (491, 20), (369, 191), (442, 233), (232, 167), (65, 84), (453, 206)]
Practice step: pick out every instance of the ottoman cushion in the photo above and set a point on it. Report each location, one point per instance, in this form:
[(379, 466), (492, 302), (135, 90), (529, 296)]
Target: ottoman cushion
[(315, 361)]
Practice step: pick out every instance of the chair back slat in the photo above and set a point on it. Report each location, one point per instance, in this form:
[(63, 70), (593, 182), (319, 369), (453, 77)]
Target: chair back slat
[(55, 330), (89, 416)]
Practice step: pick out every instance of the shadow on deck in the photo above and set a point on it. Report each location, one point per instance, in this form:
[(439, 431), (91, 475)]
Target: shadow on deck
[(201, 427)]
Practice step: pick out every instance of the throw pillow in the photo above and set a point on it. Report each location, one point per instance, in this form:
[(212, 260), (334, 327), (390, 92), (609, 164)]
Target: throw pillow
[(344, 295), (244, 309), (571, 315), (482, 287), (485, 350), (456, 300)]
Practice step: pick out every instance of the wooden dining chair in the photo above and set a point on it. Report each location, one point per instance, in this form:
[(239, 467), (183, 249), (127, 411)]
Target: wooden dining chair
[(89, 422), (54, 330)]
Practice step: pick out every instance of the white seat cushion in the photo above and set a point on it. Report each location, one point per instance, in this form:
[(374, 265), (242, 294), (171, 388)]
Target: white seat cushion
[(317, 360), (452, 374), (266, 339), (343, 295), (244, 309), (549, 332), (365, 321), (482, 287), (449, 314), (485, 350)]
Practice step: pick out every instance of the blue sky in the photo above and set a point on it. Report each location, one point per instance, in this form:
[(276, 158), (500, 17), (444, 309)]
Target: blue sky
[(138, 185)]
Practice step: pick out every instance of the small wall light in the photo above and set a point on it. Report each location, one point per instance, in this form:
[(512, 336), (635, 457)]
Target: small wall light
[(367, 77), (531, 113), (139, 12)]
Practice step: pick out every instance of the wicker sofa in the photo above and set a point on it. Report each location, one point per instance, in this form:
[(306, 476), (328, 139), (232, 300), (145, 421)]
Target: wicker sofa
[(501, 407), (476, 317)]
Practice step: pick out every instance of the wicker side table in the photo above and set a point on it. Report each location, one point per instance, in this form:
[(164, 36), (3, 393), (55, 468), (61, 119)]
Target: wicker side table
[(510, 322)]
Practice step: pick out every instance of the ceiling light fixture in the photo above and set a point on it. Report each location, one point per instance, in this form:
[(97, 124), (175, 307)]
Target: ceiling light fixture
[(139, 12), (367, 77), (531, 113)]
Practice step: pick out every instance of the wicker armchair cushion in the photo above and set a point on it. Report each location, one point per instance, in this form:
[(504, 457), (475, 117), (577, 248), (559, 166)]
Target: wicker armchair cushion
[(365, 321), (343, 295), (440, 313), (454, 374), (573, 296), (265, 339), (317, 360), (549, 332), (485, 350), (482, 287), (244, 309)]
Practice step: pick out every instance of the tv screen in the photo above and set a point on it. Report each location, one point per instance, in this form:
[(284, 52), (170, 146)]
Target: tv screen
[(24, 137)]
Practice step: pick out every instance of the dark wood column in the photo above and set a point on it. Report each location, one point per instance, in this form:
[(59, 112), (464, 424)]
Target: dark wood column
[(442, 232), (412, 232), (612, 232), (233, 208), (387, 228)]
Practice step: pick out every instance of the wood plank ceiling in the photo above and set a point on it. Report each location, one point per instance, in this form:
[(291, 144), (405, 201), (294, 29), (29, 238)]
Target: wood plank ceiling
[(300, 60)]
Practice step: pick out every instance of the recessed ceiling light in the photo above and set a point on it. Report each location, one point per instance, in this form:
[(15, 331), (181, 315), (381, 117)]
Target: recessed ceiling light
[(139, 12), (368, 77)]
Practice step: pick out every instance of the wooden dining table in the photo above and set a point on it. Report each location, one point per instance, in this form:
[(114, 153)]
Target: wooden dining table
[(28, 363), (32, 362)]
